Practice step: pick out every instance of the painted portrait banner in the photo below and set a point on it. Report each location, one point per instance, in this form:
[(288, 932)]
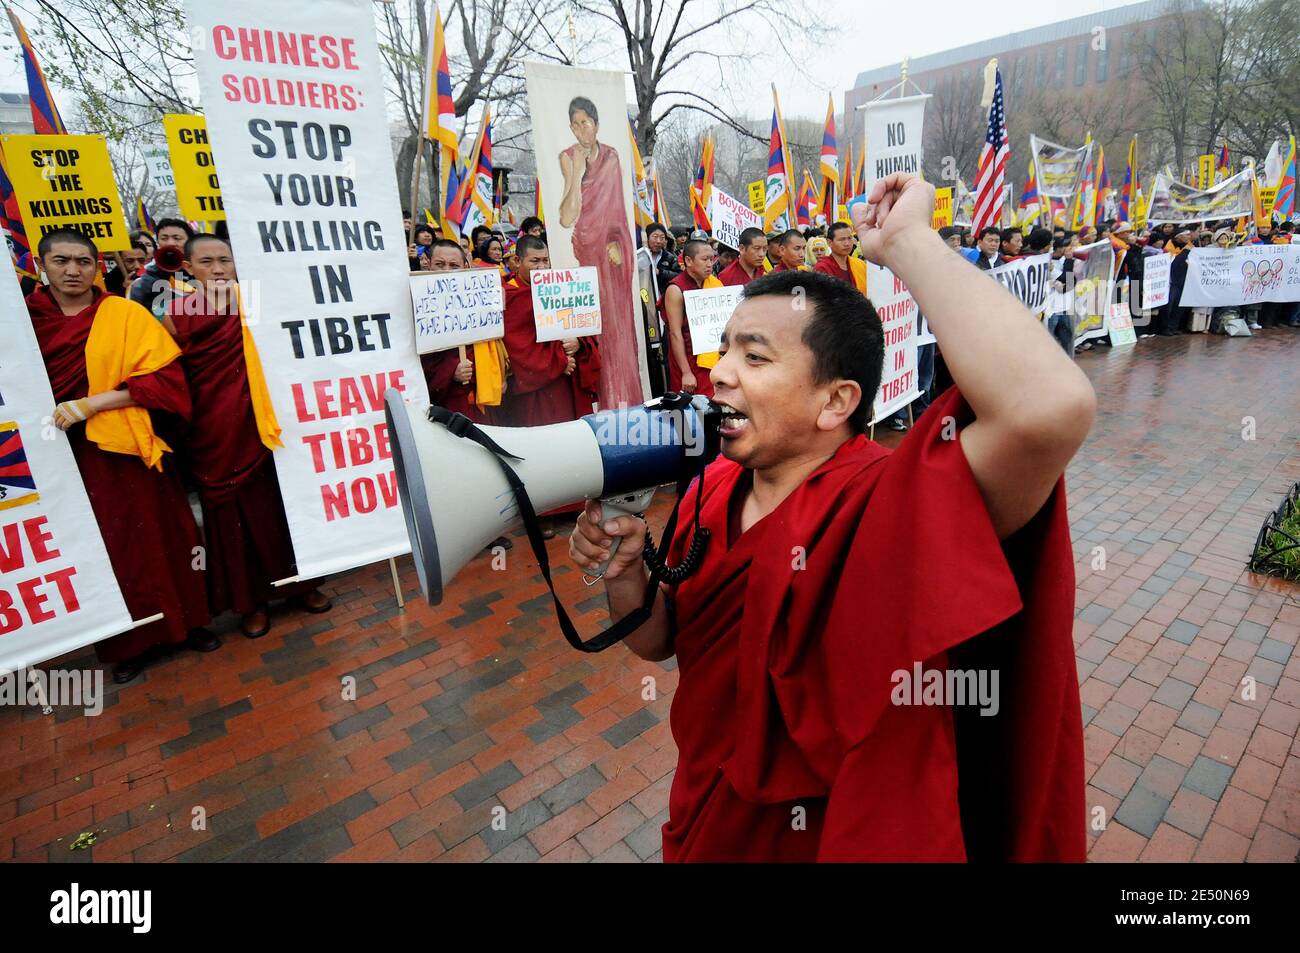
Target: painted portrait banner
[(295, 106), (584, 166), (1250, 274), (57, 588), (899, 384), (893, 130), (1094, 269)]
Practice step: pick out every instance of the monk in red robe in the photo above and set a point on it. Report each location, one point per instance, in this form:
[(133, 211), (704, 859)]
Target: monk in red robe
[(749, 263), (840, 263), (594, 206), (114, 371), (227, 449), (685, 370), (875, 654), (450, 374), (790, 249)]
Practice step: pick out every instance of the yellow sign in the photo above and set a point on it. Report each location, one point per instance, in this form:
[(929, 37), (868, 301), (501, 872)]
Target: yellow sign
[(942, 208), (1205, 166), (757, 196), (66, 182), (197, 191), (1266, 199)]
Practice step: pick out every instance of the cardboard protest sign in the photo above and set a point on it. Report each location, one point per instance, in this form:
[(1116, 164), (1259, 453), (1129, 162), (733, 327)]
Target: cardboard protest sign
[(57, 589), (942, 208), (899, 385), (707, 312), (66, 182), (1155, 281), (566, 303), (757, 196), (295, 105), (1249, 274), (457, 307), (197, 190), (730, 217), (158, 166)]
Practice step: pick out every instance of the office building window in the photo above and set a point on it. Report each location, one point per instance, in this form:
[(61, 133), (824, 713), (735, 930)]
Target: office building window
[(1103, 65), (1040, 70), (1058, 80), (1018, 83), (1126, 54), (1081, 64)]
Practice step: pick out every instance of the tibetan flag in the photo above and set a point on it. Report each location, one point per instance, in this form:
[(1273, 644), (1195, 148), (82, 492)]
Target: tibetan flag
[(778, 205), (537, 201), (830, 159), (143, 220), (643, 201), (439, 107), (1284, 206), (1130, 182), (45, 115), (702, 187), (1221, 170), (661, 204), (1103, 187), (807, 199), (1029, 194), (860, 175), (476, 190), (17, 486), (1084, 202), (849, 191), (12, 222)]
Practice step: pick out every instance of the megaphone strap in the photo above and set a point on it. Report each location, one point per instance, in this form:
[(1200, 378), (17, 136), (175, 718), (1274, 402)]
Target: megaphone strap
[(462, 426)]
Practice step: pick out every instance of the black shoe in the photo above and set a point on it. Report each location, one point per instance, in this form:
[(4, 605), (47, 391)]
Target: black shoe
[(127, 671), (251, 632), (201, 640)]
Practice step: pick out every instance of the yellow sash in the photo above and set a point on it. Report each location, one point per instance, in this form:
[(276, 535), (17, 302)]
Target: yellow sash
[(268, 426), (124, 342), (489, 373), (710, 358), (858, 271)]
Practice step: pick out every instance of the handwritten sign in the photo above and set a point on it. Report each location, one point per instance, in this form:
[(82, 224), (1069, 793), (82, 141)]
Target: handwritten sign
[(66, 182), (1155, 281), (730, 217), (566, 303), (1245, 275), (707, 312), (457, 307)]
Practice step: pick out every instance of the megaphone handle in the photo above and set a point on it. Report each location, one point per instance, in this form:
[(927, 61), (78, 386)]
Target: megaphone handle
[(627, 504)]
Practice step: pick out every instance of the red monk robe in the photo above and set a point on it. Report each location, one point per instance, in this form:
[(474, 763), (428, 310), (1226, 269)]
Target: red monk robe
[(143, 514), (444, 390), (601, 238), (243, 514), (784, 700), (855, 274), (539, 391), (703, 385), (735, 274)]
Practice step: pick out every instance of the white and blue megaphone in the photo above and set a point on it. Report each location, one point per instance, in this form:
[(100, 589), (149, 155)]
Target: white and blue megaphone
[(456, 498)]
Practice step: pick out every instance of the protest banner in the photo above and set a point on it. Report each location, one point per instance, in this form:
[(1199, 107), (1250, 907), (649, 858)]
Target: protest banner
[(1120, 326), (1155, 281), (1094, 270), (299, 128), (457, 307), (566, 303), (66, 182), (892, 132), (57, 589), (757, 196), (1173, 201), (729, 218), (584, 162), (1058, 168), (942, 208), (158, 168), (1249, 274), (1029, 279), (707, 312), (197, 190), (896, 308)]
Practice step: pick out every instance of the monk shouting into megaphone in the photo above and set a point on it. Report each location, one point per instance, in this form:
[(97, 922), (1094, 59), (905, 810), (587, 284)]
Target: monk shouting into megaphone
[(875, 653)]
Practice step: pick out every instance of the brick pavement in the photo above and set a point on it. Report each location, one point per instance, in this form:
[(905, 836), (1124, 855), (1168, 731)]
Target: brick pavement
[(478, 711)]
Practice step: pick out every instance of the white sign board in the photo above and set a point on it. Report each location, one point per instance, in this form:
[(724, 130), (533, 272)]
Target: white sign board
[(893, 131), (57, 589), (730, 217), (298, 125), (1029, 279), (158, 166), (457, 307), (1155, 281), (566, 303), (707, 312), (899, 384)]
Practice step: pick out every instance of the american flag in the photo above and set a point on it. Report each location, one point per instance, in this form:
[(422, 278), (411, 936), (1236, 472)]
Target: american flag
[(990, 179)]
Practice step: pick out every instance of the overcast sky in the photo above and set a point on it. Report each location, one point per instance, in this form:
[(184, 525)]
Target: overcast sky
[(866, 35)]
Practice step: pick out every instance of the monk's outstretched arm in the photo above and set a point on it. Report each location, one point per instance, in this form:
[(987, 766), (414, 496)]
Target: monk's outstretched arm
[(1033, 406)]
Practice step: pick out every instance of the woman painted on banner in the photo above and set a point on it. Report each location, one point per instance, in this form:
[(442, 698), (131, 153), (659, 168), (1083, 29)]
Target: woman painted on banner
[(593, 206)]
